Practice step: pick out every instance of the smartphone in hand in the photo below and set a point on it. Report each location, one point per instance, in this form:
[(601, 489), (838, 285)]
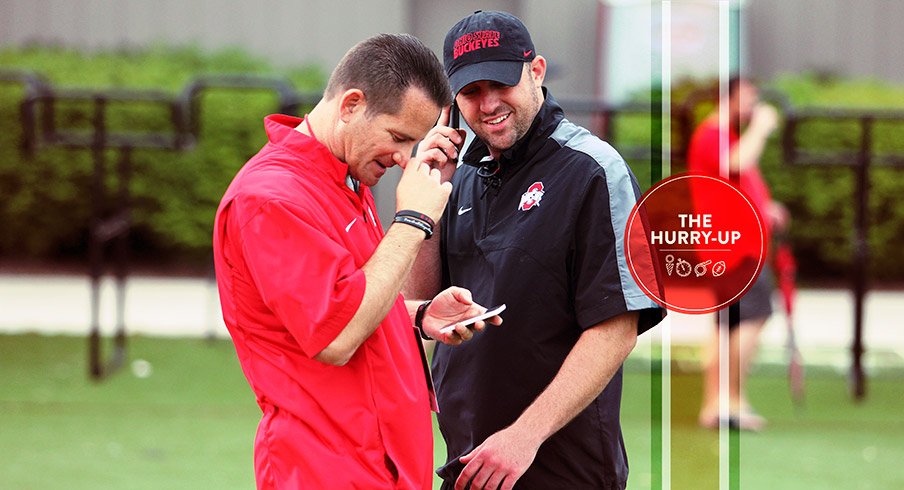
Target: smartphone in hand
[(491, 312)]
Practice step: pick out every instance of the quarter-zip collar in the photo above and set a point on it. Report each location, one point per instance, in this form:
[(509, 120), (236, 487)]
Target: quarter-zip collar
[(281, 132), (314, 156)]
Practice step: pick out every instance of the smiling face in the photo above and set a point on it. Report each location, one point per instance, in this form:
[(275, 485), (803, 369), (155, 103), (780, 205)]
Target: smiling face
[(500, 114), (372, 143)]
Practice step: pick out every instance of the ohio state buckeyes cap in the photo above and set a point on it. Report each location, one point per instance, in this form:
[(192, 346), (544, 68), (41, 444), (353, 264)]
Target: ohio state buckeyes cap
[(486, 46)]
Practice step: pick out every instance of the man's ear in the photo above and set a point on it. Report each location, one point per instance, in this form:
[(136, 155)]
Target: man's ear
[(351, 102), (538, 70)]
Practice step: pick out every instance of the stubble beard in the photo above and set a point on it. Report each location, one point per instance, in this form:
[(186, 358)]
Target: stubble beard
[(523, 119)]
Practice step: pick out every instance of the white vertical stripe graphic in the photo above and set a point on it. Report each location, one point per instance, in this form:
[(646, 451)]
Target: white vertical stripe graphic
[(724, 75), (724, 66), (666, 87)]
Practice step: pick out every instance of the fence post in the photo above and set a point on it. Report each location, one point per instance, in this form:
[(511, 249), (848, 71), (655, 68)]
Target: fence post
[(861, 254)]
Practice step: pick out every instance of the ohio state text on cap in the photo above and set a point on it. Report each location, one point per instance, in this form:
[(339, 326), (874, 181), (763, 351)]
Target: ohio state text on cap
[(487, 46)]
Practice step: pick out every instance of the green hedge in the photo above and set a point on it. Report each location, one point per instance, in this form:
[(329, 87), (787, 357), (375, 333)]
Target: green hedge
[(46, 199), (821, 199), (45, 206)]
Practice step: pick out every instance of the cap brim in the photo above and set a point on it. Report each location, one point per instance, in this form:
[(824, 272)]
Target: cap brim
[(504, 72)]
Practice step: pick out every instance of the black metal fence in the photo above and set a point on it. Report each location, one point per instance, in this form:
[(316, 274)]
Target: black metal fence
[(111, 208), (111, 214), (859, 162)]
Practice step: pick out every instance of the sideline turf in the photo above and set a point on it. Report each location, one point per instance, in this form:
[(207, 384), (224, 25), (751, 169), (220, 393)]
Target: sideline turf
[(190, 425)]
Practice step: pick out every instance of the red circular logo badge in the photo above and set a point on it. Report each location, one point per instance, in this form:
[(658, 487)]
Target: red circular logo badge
[(695, 243)]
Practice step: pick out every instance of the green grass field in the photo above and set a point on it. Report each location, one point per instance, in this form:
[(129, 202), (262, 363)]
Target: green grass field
[(191, 423)]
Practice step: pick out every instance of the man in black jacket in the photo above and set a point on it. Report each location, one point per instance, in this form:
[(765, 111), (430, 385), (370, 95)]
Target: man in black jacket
[(536, 220)]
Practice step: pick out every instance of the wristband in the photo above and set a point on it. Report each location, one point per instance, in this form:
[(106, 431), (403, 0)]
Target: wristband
[(416, 215), (417, 223), (419, 319)]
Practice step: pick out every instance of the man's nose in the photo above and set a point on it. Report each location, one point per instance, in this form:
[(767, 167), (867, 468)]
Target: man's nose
[(489, 102), (401, 157)]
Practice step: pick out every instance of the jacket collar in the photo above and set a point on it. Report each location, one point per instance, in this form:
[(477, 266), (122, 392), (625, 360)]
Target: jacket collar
[(313, 155)]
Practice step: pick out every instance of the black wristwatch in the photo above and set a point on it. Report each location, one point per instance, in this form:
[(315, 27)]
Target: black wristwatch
[(419, 319)]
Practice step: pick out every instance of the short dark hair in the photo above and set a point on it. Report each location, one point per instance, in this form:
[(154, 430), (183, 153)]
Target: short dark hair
[(384, 66), (736, 80)]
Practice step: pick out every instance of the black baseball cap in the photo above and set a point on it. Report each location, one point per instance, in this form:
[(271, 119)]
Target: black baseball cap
[(487, 46)]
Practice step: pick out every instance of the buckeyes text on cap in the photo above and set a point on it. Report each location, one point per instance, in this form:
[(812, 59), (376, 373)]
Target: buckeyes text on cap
[(487, 46)]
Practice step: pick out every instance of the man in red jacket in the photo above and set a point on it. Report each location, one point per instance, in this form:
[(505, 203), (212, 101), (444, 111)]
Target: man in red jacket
[(309, 282)]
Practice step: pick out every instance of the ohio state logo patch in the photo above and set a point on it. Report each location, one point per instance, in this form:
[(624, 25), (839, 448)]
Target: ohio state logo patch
[(532, 197)]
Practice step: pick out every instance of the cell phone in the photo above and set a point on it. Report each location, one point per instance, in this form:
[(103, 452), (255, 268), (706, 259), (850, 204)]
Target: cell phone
[(491, 312), (454, 122)]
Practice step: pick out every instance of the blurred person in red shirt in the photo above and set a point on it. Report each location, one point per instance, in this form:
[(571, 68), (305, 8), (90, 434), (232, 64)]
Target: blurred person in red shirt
[(750, 124)]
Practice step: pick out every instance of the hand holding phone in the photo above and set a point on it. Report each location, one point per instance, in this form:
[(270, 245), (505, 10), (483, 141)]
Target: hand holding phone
[(491, 312)]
